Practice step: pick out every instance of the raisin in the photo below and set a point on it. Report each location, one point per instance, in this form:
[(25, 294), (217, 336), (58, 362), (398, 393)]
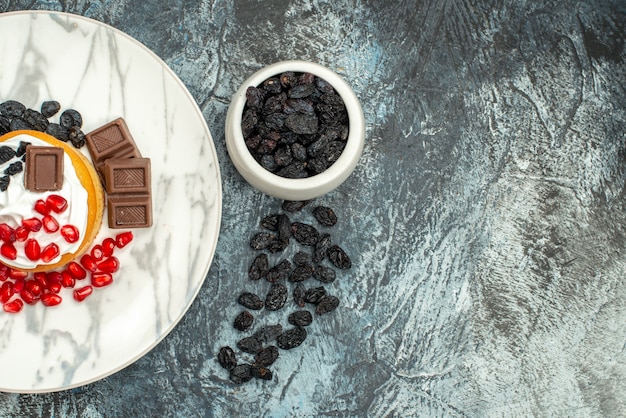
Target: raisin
[(12, 108), (249, 345), (302, 123), (301, 91), (315, 294), (50, 108), (35, 119), (250, 301), (241, 373), (321, 248), (301, 273), (324, 274), (276, 297), (267, 356), (243, 321), (283, 156), (226, 358), (18, 124), (299, 295), (291, 338), (305, 234), (262, 240), (338, 257), (13, 168), (272, 85), (326, 304), (70, 118), (278, 272), (57, 131), (301, 258), (76, 137), (261, 372), (295, 170), (259, 267), (294, 205), (270, 222), (21, 149), (268, 333), (6, 153), (287, 79), (255, 97), (4, 183), (5, 125), (300, 318), (325, 215)]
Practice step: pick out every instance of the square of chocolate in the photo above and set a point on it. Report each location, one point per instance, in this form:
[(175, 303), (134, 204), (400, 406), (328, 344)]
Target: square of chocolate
[(112, 140), (44, 168), (127, 175), (129, 211)]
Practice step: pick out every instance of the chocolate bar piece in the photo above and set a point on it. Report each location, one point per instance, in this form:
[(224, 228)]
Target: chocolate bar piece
[(44, 168), (127, 175), (112, 140), (129, 211)]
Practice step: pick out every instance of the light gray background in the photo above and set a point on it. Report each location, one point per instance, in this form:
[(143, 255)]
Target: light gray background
[(485, 220)]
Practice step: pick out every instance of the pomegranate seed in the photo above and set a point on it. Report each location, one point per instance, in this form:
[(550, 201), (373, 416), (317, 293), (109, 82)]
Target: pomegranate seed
[(108, 246), (4, 272), (76, 270), (33, 287), (18, 285), (8, 251), (28, 297), (6, 291), (49, 252), (41, 278), (97, 252), (32, 249), (13, 307), (67, 280), (121, 240), (16, 274), (56, 203), (32, 224), (81, 293), (70, 233), (50, 224), (41, 207), (109, 265), (21, 233), (55, 286), (7, 234), (89, 263), (51, 299), (101, 279)]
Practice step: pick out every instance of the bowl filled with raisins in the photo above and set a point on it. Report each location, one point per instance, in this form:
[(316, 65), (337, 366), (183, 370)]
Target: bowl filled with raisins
[(295, 130)]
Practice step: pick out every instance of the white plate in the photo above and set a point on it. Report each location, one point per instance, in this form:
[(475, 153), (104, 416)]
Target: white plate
[(105, 74)]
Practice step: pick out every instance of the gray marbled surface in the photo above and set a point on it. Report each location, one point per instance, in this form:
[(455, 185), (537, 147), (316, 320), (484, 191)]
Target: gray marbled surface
[(486, 220)]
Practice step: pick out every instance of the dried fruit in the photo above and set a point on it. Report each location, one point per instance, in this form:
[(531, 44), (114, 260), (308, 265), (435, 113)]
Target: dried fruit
[(250, 301), (241, 373), (259, 267), (338, 257), (268, 333), (226, 357), (267, 356), (249, 345), (243, 321), (276, 297), (324, 274), (315, 294), (300, 318), (291, 338), (321, 248), (325, 215), (278, 272), (305, 234), (261, 372), (326, 304), (299, 295)]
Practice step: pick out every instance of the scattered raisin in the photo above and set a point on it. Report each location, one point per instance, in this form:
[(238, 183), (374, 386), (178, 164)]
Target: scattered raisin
[(261, 372), (276, 297), (268, 333), (226, 358), (325, 215), (338, 257), (250, 301), (267, 356), (249, 345), (294, 205), (305, 234), (243, 321), (259, 267), (299, 295), (6, 153), (324, 274), (315, 294), (50, 108), (326, 304), (291, 338), (300, 318), (241, 373)]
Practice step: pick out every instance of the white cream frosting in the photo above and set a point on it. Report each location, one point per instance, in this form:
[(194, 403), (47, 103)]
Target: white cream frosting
[(17, 203)]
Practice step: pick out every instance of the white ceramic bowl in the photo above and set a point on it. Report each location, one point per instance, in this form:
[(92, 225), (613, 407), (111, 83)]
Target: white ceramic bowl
[(281, 187)]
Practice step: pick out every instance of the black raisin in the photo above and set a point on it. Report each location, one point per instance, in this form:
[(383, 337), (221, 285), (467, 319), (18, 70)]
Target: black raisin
[(57, 131), (261, 372), (250, 301), (268, 333), (301, 273), (301, 91), (18, 124), (305, 234), (267, 356), (294, 205), (259, 267), (278, 272), (243, 321), (299, 295), (5, 125), (35, 119), (50, 108), (324, 274), (326, 304), (270, 222), (302, 123), (255, 97), (21, 149), (249, 345), (301, 258), (227, 358), (325, 215), (338, 257), (315, 294), (69, 118), (13, 168), (4, 183), (76, 137), (291, 338), (241, 373), (276, 297), (262, 240), (321, 248), (6, 153), (300, 318), (12, 108)]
